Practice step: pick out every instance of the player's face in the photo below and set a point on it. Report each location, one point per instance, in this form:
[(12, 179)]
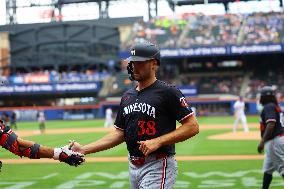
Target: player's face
[(142, 70)]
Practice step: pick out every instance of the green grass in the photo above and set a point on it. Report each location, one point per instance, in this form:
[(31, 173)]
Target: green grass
[(224, 119), (33, 125), (192, 174), (199, 145)]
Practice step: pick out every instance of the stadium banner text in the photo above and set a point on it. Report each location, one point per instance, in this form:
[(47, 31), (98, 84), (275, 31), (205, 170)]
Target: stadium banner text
[(216, 50), (48, 88)]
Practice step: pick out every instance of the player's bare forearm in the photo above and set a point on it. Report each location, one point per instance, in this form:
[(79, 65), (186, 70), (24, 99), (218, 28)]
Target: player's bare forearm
[(266, 136), (44, 151), (24, 148), (188, 129), (268, 131), (111, 140)]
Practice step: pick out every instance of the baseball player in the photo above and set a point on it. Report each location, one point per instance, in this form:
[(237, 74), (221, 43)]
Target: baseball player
[(146, 121), (108, 118), (239, 110), (20, 147), (13, 121), (41, 121), (272, 135)]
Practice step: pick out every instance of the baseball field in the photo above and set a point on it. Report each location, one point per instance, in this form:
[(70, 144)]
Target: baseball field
[(216, 158)]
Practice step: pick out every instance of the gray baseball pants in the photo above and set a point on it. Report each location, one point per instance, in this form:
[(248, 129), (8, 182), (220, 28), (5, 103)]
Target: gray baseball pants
[(274, 155), (154, 173)]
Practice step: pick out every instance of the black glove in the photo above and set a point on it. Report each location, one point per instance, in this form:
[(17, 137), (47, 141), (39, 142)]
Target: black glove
[(64, 154)]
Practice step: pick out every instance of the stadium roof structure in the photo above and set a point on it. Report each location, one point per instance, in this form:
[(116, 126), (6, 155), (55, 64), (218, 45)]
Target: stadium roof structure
[(12, 6), (174, 3), (64, 44)]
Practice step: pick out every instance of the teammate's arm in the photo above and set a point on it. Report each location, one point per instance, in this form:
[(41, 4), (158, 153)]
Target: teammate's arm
[(43, 152), (20, 147), (110, 140), (266, 136), (188, 129)]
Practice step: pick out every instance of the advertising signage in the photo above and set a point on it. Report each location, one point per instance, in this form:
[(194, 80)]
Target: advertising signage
[(50, 88), (223, 50), (217, 50)]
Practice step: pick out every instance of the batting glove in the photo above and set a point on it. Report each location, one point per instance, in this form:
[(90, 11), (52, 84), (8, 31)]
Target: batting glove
[(64, 154)]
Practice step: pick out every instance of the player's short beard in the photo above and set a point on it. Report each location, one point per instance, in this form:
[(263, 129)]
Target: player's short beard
[(139, 78), (143, 77)]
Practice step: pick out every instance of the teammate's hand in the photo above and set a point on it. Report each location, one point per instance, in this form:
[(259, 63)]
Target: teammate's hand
[(75, 146), (149, 146), (64, 154), (260, 146)]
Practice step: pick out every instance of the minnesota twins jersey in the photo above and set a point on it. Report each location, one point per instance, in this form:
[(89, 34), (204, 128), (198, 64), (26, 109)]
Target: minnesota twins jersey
[(271, 112), (150, 113)]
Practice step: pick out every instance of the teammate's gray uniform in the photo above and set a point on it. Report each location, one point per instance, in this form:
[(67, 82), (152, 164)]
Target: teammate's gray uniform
[(274, 148)]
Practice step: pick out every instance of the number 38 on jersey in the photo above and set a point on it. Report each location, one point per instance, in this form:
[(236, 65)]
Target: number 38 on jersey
[(146, 128)]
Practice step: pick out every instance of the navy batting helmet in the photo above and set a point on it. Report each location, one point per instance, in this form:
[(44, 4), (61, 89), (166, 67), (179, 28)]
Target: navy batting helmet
[(267, 91), (144, 51), (268, 95), (141, 52)]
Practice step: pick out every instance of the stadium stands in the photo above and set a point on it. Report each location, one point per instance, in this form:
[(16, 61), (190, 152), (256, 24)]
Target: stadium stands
[(190, 30)]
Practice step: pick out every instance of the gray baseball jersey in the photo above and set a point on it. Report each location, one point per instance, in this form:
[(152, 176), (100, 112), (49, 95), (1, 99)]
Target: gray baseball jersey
[(274, 148)]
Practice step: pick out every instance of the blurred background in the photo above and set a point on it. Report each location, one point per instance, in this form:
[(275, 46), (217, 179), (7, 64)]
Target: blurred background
[(63, 61), (55, 60)]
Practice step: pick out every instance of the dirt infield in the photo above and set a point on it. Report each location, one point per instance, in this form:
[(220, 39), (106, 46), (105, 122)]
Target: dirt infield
[(252, 135)]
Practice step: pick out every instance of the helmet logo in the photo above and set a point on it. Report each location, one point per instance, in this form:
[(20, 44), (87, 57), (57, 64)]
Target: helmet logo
[(133, 52), (183, 102)]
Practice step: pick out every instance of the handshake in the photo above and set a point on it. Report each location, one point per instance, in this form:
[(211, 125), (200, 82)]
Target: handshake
[(65, 154)]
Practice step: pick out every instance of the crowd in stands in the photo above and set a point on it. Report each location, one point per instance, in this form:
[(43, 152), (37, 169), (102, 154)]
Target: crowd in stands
[(259, 79), (191, 30), (207, 83), (226, 82), (219, 82), (263, 28)]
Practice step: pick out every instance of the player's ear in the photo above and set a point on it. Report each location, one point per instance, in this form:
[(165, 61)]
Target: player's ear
[(154, 65)]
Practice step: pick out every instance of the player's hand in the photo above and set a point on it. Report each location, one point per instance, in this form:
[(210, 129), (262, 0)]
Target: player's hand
[(260, 146), (149, 146), (64, 154), (75, 146)]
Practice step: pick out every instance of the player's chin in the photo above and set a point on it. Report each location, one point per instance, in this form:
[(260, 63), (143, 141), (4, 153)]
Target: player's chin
[(137, 77)]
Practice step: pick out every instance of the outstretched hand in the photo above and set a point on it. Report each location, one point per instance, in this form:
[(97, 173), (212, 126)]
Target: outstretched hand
[(64, 154), (75, 146)]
